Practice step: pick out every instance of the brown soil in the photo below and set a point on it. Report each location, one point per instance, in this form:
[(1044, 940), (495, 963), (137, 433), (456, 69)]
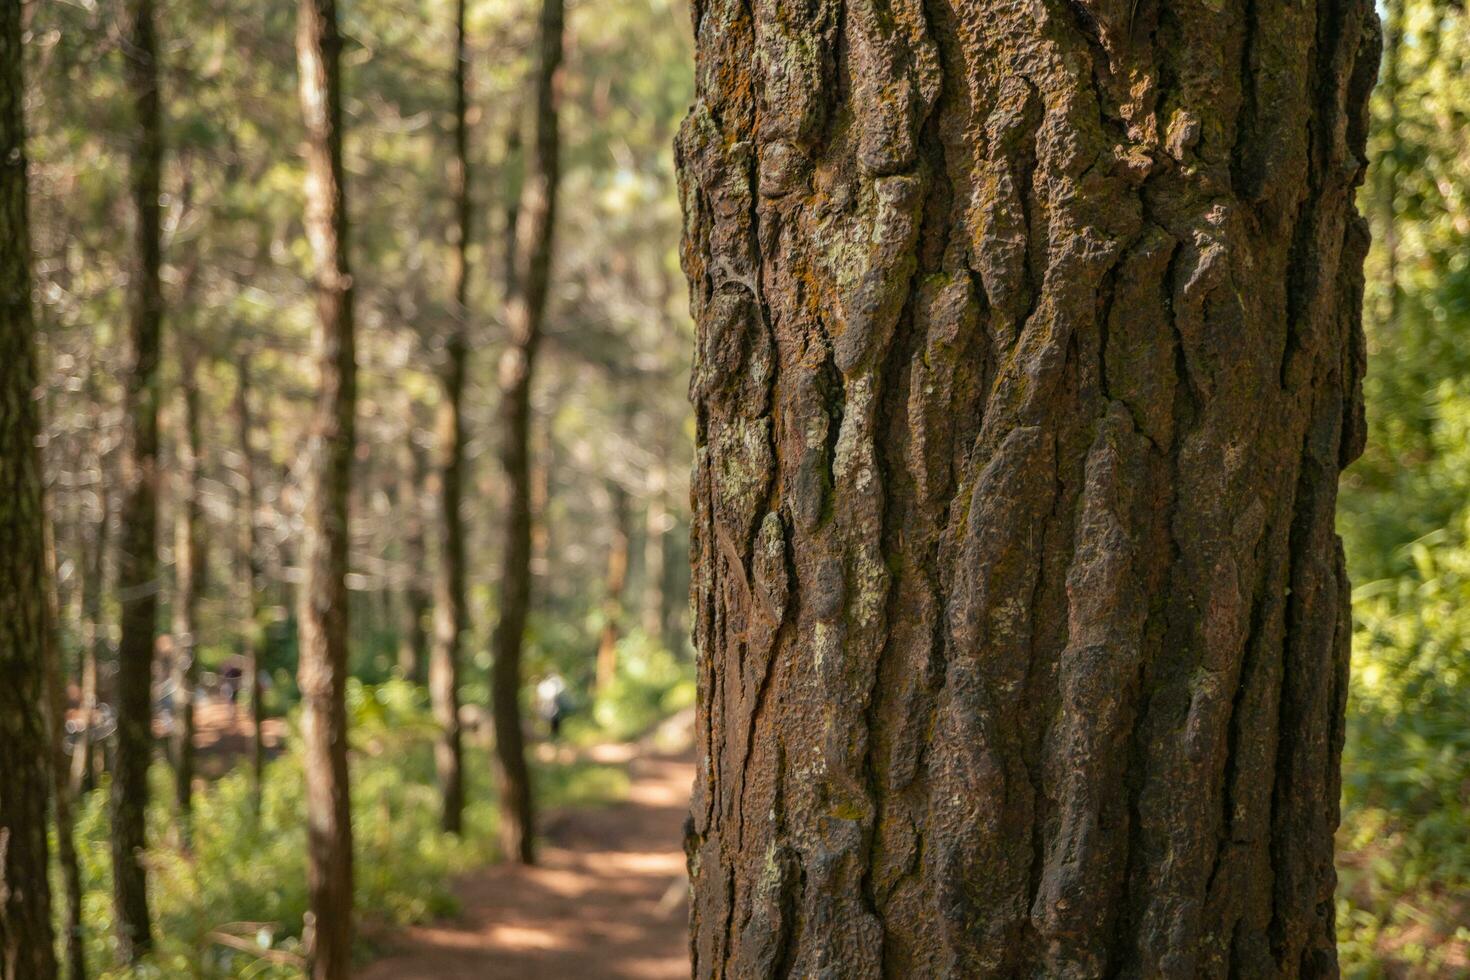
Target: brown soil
[(608, 898), (222, 736)]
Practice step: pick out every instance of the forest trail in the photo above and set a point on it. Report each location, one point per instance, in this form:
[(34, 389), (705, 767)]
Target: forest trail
[(608, 898)]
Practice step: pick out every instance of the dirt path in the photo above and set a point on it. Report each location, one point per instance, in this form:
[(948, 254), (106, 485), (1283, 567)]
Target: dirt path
[(608, 899)]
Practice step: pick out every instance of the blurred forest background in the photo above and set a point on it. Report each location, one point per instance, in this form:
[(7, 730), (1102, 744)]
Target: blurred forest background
[(1404, 515), (611, 438)]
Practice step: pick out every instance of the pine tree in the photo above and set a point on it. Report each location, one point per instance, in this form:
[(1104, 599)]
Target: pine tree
[(1028, 357), (27, 943), (322, 671), (137, 574), (525, 310), (451, 618)]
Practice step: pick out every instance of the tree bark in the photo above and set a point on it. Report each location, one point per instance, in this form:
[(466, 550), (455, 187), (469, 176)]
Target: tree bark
[(248, 576), (1029, 353), (188, 579), (617, 579), (451, 618), (525, 309), (322, 673), (137, 572), (27, 944)]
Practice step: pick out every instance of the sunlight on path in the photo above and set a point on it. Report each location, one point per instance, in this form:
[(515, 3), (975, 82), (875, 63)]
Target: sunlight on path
[(607, 900)]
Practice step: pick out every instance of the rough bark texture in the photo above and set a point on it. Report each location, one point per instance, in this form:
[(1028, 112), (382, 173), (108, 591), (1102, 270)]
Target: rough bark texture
[(137, 560), (322, 672), (525, 308), (1028, 357), (26, 941), (451, 619), (188, 578), (248, 573)]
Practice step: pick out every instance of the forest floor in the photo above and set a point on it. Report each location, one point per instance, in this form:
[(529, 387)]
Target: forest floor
[(607, 899)]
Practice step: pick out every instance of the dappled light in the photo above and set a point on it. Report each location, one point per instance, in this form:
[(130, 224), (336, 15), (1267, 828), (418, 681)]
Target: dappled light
[(607, 900), (661, 487)]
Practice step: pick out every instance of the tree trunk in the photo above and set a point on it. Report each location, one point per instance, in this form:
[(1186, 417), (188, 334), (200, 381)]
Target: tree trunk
[(137, 571), (525, 308), (61, 792), (543, 449), (1028, 357), (413, 599), (451, 619), (188, 580), (248, 572), (93, 575), (617, 578), (322, 674), (655, 534), (27, 944), (509, 165)]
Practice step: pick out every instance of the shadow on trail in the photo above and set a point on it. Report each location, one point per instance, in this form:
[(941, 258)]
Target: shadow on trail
[(608, 898)]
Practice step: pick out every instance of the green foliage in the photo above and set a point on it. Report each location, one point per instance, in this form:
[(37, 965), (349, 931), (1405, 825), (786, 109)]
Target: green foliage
[(1406, 789), (244, 877), (1404, 861), (650, 684)]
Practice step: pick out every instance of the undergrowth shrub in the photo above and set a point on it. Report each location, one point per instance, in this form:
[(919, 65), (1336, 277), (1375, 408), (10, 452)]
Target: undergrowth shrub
[(235, 879)]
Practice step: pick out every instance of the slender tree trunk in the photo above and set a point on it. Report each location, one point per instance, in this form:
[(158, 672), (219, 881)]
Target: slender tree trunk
[(61, 793), (655, 615), (513, 200), (137, 574), (655, 534), (248, 576), (288, 568), (524, 311), (542, 459), (617, 578), (413, 599), (189, 564), (322, 674), (93, 575), (451, 620), (1028, 357), (27, 944)]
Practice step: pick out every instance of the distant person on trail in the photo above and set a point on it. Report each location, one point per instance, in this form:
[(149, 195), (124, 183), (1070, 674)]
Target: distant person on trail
[(232, 673), (551, 702)]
